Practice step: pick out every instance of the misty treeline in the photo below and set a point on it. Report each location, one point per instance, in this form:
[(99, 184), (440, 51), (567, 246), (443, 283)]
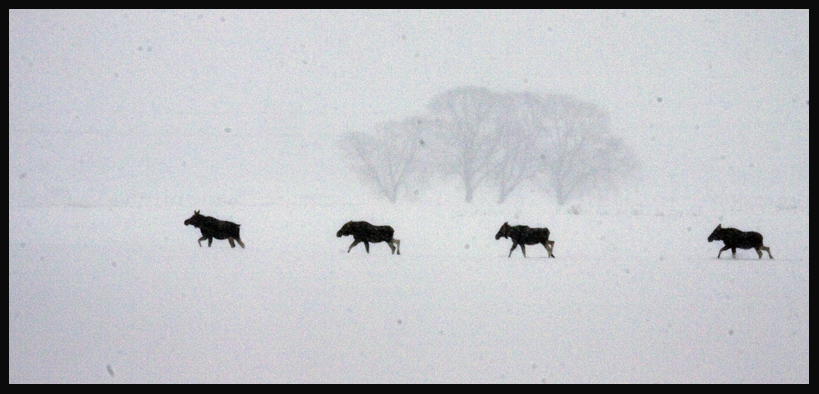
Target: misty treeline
[(492, 141)]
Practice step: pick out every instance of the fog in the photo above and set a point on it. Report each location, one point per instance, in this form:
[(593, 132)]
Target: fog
[(122, 123)]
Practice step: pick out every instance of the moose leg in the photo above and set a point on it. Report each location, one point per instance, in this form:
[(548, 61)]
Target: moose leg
[(722, 250), (202, 239), (242, 244), (734, 252), (210, 241), (232, 245), (395, 245), (514, 245), (367, 246), (353, 244), (765, 248), (549, 245), (523, 249)]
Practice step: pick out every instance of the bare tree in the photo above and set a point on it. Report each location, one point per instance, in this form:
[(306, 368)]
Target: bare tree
[(466, 134), (479, 136), (524, 132), (580, 152), (389, 159)]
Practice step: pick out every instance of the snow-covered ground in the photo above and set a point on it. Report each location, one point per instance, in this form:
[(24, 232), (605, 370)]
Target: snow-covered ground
[(636, 294)]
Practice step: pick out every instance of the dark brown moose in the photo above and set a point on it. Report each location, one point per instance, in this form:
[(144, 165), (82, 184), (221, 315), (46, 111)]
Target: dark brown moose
[(734, 239), (214, 228), (525, 235), (365, 232)]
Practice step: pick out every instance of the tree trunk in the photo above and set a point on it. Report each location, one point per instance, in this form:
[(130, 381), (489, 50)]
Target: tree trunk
[(469, 192)]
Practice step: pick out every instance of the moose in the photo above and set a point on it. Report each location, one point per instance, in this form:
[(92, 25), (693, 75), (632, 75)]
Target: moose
[(524, 235), (734, 239), (366, 232), (214, 228)]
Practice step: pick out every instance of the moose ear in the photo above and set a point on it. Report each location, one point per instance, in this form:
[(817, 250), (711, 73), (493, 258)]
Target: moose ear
[(195, 212)]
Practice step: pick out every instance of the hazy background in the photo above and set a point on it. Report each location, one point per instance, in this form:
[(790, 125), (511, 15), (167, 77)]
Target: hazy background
[(116, 115), (134, 89)]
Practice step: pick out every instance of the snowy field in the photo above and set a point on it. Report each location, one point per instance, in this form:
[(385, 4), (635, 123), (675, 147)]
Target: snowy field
[(634, 295)]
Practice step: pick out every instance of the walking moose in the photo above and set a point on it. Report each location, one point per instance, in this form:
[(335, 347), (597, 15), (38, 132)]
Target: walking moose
[(734, 239)]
